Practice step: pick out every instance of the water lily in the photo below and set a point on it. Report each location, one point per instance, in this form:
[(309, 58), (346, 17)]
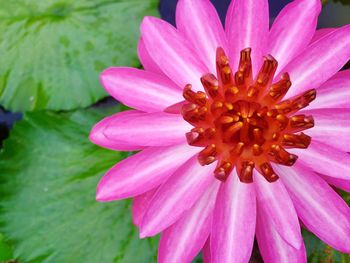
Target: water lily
[(243, 130)]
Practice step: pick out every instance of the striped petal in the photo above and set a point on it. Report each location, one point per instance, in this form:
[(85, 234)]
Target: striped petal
[(177, 195), (273, 201), (325, 159), (182, 241), (318, 206), (147, 129), (146, 60), (140, 205), (334, 93), (142, 172), (247, 25), (172, 53), (234, 220), (139, 89), (98, 137), (332, 126), (272, 246), (320, 61), (199, 22), (292, 30)]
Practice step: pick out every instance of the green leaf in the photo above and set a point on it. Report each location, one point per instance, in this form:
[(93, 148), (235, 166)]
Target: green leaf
[(52, 51), (319, 252), (5, 249), (49, 171)]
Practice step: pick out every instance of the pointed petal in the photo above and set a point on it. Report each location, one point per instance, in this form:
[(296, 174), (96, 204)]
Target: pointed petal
[(273, 200), (320, 33), (140, 205), (199, 22), (142, 171), (234, 220), (99, 138), (292, 30), (172, 53), (139, 89), (182, 241), (332, 126), (339, 183), (325, 159), (177, 195), (272, 246), (320, 61), (318, 206), (148, 129), (334, 93), (247, 25), (146, 60)]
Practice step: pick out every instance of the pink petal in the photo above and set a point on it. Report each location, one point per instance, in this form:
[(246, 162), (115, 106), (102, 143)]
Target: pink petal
[(292, 30), (146, 60), (339, 183), (325, 159), (148, 129), (177, 195), (247, 25), (273, 201), (332, 126), (206, 252), (272, 246), (318, 206), (140, 205), (98, 137), (139, 89), (172, 53), (334, 93), (200, 24), (234, 220), (182, 241), (142, 172), (321, 33), (320, 61)]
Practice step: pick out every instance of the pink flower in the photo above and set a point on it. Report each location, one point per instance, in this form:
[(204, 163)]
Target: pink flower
[(230, 161)]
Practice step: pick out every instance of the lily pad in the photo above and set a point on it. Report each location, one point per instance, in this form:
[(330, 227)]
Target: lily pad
[(49, 171), (52, 51)]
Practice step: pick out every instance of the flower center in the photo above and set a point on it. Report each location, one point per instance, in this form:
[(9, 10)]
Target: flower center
[(242, 122)]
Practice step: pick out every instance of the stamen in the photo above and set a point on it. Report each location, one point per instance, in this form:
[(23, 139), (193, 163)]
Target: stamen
[(296, 140), (268, 172), (244, 74), (246, 172), (245, 123), (211, 85), (301, 122), (223, 170), (280, 88), (297, 103), (281, 156), (258, 136), (257, 150), (223, 69), (267, 72), (233, 129), (208, 155), (196, 137), (199, 97)]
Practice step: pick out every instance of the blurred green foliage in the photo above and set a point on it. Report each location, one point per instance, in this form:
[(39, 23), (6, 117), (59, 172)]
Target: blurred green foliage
[(52, 52), (344, 2), (53, 215)]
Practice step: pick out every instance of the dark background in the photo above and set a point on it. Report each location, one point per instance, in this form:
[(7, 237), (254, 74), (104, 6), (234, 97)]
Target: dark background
[(334, 14)]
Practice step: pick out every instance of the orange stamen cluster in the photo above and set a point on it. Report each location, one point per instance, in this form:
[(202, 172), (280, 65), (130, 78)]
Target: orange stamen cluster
[(242, 122)]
